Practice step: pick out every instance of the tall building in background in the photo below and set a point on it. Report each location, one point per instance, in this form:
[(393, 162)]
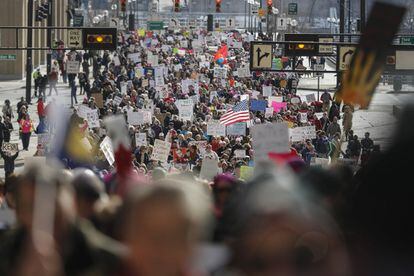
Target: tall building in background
[(14, 13)]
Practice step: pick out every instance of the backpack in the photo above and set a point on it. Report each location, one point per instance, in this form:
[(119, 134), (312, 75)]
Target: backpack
[(323, 145)]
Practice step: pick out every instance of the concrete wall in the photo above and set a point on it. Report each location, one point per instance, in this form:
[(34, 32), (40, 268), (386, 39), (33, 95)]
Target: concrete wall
[(14, 13)]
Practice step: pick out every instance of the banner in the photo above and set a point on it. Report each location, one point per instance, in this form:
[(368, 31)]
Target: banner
[(258, 105)]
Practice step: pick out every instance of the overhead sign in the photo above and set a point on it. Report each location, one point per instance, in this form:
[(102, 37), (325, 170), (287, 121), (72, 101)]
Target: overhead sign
[(260, 56), (78, 21), (407, 40), (155, 25), (301, 49), (293, 8), (114, 23), (345, 56), (75, 39), (255, 10), (326, 49), (231, 22), (282, 24)]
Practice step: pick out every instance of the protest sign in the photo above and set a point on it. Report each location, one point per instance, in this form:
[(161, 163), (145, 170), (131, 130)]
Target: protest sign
[(255, 94), (209, 169), (303, 117), (201, 146), (117, 100), (72, 67), (93, 118), (237, 129), (214, 128), (269, 138), (106, 148), (185, 109), (98, 99), (319, 115), (144, 83), (205, 64), (117, 62), (267, 91), (140, 139), (161, 150), (258, 105), (240, 153), (135, 57), (278, 99), (244, 97), (220, 72), (152, 59), (277, 107), (269, 112), (295, 100), (246, 173), (135, 118), (299, 134), (43, 139), (184, 44), (124, 88), (83, 110), (10, 148), (243, 72), (319, 162), (310, 98)]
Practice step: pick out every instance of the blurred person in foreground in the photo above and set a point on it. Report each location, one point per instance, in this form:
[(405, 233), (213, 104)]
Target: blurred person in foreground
[(47, 239), (277, 230), (161, 225)]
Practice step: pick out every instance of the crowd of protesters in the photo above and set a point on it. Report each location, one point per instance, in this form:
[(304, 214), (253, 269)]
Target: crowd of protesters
[(293, 217)]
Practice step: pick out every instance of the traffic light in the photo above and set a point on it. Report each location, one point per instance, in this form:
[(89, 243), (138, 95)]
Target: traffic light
[(269, 6), (177, 5), (218, 5), (301, 49), (123, 5), (100, 38), (42, 12)]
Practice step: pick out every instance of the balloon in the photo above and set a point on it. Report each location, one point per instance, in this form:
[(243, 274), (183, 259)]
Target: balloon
[(220, 61)]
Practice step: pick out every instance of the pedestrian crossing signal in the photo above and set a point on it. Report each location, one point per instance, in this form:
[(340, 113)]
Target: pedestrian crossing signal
[(269, 6), (123, 5)]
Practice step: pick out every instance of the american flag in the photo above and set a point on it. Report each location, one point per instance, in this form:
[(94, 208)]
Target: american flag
[(239, 113)]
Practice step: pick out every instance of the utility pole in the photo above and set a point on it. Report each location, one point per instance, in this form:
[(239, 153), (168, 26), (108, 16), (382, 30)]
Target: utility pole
[(29, 52), (341, 19), (49, 36), (363, 14), (349, 20)]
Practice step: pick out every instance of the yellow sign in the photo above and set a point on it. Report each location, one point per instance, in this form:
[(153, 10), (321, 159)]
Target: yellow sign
[(141, 32)]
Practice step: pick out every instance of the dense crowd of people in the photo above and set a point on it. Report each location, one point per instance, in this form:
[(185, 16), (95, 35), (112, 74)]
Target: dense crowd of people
[(173, 192)]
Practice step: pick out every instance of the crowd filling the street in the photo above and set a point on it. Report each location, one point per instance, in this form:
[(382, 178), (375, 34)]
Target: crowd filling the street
[(179, 160)]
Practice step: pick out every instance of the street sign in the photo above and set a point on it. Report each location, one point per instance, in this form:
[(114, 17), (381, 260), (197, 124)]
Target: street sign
[(155, 25), (255, 10), (282, 24), (230, 22), (260, 56), (8, 57), (326, 49), (78, 21), (407, 40), (345, 56), (293, 8), (114, 23), (319, 67), (174, 23), (75, 39)]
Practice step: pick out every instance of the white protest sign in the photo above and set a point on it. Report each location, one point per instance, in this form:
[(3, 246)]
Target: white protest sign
[(269, 112), (72, 67), (214, 128), (184, 44), (319, 115), (303, 117), (209, 169), (298, 134), (93, 118), (117, 100), (161, 150), (159, 76), (124, 87), (135, 57), (152, 59), (11, 148), (237, 129), (83, 110), (106, 148), (243, 72), (267, 91), (135, 118), (205, 64), (270, 138), (117, 62), (310, 98), (220, 72), (240, 153), (140, 139)]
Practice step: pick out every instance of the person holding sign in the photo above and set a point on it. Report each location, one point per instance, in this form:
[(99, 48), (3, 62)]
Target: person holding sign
[(9, 158)]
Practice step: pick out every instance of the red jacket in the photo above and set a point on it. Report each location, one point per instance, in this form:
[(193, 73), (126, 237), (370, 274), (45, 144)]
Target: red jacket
[(41, 109)]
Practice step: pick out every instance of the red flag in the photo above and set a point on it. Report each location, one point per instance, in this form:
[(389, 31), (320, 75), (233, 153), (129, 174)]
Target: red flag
[(221, 53)]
